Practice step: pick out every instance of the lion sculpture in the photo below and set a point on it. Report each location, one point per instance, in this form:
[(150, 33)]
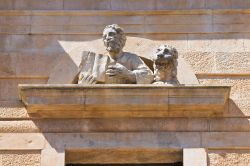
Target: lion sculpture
[(165, 65)]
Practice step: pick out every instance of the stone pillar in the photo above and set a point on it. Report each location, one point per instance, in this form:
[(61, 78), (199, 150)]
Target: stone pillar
[(194, 157)]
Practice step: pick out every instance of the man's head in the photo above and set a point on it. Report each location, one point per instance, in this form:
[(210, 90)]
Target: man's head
[(114, 38)]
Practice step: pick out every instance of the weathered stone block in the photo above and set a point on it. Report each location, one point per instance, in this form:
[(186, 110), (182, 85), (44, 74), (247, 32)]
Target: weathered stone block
[(106, 20), (123, 139), (86, 5), (15, 20), (22, 141), (8, 67), (229, 124), (222, 4), (170, 4), (219, 28), (178, 19), (242, 4), (40, 44), (50, 20), (133, 5), (231, 19), (38, 4), (191, 4), (9, 29), (178, 28), (9, 87), (35, 64), (104, 125), (6, 5), (225, 139)]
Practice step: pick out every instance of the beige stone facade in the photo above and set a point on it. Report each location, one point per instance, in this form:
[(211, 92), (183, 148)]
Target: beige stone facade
[(213, 37)]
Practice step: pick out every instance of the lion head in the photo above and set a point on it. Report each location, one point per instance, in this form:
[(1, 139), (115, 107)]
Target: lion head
[(165, 65)]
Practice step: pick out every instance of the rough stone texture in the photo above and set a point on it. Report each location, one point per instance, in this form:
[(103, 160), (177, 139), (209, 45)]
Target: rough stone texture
[(218, 62), (217, 42), (20, 157), (229, 157), (201, 62), (240, 87), (12, 109), (232, 63)]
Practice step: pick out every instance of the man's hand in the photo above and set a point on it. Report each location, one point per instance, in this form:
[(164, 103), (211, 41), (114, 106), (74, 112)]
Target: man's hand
[(86, 79), (120, 71)]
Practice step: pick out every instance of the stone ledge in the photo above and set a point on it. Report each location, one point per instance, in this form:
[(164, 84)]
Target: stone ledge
[(106, 101)]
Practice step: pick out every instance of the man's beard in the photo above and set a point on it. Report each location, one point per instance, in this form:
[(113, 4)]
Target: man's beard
[(113, 46)]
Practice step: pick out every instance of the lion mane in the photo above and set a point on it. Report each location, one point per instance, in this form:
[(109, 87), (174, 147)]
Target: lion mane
[(165, 65)]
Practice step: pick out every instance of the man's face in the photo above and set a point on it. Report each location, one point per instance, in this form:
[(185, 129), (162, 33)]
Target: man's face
[(111, 40)]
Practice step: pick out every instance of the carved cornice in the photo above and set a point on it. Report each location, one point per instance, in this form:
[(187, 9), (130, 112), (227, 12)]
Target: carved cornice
[(106, 101)]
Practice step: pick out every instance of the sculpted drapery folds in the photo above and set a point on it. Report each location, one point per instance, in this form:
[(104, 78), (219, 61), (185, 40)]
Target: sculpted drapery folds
[(120, 67)]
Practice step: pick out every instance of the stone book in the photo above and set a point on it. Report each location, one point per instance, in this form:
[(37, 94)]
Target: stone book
[(95, 65)]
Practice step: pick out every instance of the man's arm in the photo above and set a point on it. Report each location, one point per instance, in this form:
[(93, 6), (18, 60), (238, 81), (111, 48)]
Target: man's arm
[(122, 72), (142, 72), (135, 72)]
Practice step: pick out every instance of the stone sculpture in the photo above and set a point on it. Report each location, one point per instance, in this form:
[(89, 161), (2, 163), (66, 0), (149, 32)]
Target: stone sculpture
[(165, 65), (117, 67)]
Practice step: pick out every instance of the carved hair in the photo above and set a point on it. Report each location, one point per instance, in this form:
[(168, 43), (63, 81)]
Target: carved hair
[(120, 32)]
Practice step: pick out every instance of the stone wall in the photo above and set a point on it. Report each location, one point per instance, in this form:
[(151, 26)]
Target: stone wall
[(212, 36)]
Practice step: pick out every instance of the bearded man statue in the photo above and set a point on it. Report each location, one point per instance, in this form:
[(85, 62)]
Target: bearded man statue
[(116, 67)]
